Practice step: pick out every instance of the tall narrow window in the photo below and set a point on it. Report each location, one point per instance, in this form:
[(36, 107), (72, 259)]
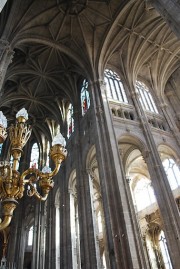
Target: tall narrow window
[(34, 156), (173, 173), (70, 121), (164, 251), (48, 150), (57, 228), (30, 236), (114, 86), (85, 99), (146, 99), (74, 220)]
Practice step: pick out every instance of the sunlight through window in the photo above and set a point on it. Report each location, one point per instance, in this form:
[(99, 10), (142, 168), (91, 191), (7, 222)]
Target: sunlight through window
[(146, 99), (30, 236), (173, 173), (114, 86), (144, 194)]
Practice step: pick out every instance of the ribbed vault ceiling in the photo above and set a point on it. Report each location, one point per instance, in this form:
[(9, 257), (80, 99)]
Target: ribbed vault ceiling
[(57, 43)]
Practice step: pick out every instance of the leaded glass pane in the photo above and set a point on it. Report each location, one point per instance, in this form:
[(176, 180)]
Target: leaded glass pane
[(164, 251), (173, 173), (85, 98), (145, 98), (114, 86)]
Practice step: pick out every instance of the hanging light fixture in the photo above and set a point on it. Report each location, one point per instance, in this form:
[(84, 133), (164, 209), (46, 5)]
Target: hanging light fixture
[(12, 183)]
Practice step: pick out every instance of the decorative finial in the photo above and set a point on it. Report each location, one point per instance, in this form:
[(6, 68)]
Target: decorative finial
[(59, 140), (22, 114)]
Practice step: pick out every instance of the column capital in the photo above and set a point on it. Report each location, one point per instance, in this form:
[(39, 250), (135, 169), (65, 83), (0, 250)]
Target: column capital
[(134, 93)]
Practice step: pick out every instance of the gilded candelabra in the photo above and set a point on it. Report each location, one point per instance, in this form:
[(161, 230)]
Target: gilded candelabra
[(12, 183)]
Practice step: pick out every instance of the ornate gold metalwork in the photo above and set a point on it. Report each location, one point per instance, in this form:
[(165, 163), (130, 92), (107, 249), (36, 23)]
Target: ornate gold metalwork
[(12, 184)]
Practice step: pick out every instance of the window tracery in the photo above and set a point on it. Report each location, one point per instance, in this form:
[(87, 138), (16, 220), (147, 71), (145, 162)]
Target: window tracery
[(114, 86), (164, 251), (146, 99), (173, 172), (85, 98)]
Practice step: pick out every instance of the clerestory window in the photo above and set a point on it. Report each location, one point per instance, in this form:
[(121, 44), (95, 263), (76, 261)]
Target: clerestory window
[(146, 99), (173, 173), (85, 99), (114, 86)]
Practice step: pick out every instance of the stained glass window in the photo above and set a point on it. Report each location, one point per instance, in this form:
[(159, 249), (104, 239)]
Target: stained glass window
[(146, 99), (85, 99), (34, 156), (70, 121), (114, 86)]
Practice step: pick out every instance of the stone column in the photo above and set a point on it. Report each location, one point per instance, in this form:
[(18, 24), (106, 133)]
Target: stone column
[(168, 208), (38, 252), (50, 227), (97, 244), (14, 236), (122, 246), (65, 222), (6, 54), (16, 244), (86, 227), (137, 230)]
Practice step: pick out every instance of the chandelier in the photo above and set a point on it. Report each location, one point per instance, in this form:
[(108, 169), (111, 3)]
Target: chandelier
[(12, 183)]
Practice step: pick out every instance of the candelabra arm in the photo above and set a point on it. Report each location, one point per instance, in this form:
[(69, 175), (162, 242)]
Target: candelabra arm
[(40, 197), (8, 207), (53, 173), (28, 172), (6, 221), (33, 191)]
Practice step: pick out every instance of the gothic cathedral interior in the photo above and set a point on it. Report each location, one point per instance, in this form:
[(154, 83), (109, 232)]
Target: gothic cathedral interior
[(89, 134)]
